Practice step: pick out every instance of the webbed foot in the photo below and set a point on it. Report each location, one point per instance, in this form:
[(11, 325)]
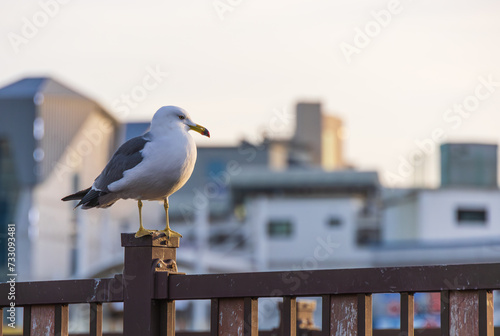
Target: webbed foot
[(143, 232), (171, 233)]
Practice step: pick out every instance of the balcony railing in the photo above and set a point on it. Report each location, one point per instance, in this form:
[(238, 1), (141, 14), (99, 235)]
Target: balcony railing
[(150, 285)]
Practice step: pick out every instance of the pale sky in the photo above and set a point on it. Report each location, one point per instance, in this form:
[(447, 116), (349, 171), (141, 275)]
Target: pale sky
[(234, 69)]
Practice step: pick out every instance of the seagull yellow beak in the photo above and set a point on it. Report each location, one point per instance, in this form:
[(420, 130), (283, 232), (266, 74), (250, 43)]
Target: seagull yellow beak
[(200, 129)]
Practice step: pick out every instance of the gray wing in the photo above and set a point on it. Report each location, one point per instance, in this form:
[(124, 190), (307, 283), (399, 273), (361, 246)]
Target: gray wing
[(126, 157)]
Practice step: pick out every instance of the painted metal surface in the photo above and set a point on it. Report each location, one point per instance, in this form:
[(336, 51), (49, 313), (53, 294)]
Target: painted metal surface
[(47, 320), (407, 313), (149, 287), (465, 318)]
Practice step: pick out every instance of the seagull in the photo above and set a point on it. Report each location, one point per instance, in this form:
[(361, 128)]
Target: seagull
[(150, 167)]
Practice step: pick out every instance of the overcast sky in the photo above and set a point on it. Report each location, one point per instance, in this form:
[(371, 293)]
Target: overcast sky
[(390, 69)]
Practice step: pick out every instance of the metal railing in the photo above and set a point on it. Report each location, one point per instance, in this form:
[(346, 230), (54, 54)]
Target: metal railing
[(150, 285)]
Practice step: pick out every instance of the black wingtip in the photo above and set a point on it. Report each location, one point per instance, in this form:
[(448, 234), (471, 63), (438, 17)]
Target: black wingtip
[(76, 196)]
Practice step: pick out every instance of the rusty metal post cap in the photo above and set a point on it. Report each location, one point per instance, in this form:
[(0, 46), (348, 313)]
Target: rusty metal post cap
[(157, 239)]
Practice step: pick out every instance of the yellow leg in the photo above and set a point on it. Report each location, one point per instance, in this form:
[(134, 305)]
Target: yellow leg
[(142, 231), (168, 231)]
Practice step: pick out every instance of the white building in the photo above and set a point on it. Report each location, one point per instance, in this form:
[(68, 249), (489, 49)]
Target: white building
[(440, 215), (308, 218), (456, 223)]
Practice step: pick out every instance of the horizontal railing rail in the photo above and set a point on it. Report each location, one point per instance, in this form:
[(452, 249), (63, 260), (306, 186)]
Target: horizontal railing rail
[(376, 332), (342, 281), (265, 284), (64, 292)]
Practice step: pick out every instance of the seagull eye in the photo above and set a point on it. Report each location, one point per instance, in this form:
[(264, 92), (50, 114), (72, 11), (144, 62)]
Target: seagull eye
[(181, 117)]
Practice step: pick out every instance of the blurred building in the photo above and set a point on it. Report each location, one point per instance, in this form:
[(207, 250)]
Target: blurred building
[(53, 141), (316, 144), (456, 223), (210, 183), (469, 165), (318, 138), (308, 218)]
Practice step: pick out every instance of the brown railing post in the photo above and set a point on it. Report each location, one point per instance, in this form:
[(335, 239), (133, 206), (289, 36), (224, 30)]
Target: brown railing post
[(347, 314), (50, 320), (143, 315), (467, 313), (234, 316)]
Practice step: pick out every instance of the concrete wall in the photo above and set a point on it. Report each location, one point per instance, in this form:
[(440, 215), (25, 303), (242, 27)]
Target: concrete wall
[(437, 214), (430, 215), (313, 243), (400, 219)]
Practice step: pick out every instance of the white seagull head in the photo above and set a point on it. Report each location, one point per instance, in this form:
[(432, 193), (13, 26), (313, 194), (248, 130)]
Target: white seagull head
[(169, 118)]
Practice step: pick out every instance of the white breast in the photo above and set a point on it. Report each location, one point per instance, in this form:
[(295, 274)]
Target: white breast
[(167, 165)]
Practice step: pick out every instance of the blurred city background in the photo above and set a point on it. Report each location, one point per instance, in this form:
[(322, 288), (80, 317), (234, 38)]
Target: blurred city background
[(343, 135)]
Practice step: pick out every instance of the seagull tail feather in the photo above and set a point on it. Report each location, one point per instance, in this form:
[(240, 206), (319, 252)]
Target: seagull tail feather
[(76, 196), (89, 198)]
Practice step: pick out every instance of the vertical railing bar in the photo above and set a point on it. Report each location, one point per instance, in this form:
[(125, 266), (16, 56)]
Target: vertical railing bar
[(407, 314), (364, 315), (27, 320), (214, 317), (171, 317), (57, 320), (61, 320), (250, 317), (289, 316), (361, 314), (95, 319), (485, 312), (482, 312), (167, 320), (326, 315), (368, 315), (445, 313)]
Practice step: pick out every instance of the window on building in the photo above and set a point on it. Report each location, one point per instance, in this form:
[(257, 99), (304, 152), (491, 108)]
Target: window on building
[(280, 228), (334, 221), (472, 216)]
